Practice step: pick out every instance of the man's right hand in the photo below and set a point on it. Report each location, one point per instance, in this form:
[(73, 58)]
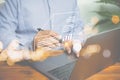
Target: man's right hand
[(45, 43), (46, 38)]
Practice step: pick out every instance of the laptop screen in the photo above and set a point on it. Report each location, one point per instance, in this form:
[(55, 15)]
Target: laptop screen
[(109, 48)]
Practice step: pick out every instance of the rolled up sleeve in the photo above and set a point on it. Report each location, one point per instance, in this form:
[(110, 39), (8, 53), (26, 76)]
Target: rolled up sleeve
[(75, 26)]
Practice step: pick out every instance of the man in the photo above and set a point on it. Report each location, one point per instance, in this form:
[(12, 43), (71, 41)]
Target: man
[(21, 19)]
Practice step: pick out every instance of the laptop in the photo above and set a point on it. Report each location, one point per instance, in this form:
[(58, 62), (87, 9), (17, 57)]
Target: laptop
[(65, 68)]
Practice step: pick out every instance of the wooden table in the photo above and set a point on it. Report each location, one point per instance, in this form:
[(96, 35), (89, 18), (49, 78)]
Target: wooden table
[(19, 72), (25, 72), (110, 73)]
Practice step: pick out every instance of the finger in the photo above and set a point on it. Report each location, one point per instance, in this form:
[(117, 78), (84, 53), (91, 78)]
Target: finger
[(68, 46), (54, 41), (50, 42), (77, 46), (48, 39), (48, 32), (42, 37), (55, 35), (45, 44)]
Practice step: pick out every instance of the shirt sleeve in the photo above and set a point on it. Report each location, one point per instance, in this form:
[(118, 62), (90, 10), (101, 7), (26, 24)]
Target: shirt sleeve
[(8, 22), (75, 25), (77, 22)]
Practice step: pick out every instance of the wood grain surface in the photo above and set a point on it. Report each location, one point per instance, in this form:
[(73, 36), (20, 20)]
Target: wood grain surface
[(25, 72), (19, 72)]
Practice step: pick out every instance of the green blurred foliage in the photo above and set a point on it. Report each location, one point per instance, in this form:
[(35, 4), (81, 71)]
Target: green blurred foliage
[(107, 9)]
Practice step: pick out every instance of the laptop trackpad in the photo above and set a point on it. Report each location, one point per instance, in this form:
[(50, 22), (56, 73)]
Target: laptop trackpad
[(52, 63)]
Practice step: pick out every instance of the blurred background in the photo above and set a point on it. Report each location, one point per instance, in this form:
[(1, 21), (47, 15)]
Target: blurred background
[(1, 1), (107, 13), (86, 9)]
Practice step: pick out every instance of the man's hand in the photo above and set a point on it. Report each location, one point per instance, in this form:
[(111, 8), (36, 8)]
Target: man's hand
[(46, 38), (72, 46), (44, 43)]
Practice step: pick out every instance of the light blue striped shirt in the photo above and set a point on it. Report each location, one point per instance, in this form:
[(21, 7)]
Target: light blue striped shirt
[(20, 19)]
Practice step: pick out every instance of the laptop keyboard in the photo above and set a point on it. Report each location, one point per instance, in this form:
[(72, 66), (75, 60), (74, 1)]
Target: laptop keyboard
[(63, 72)]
